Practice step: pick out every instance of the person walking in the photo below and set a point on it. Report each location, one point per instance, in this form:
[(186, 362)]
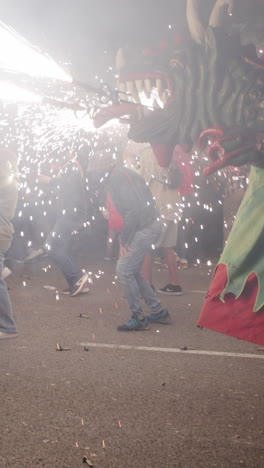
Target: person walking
[(131, 210), (70, 187), (8, 201), (164, 185)]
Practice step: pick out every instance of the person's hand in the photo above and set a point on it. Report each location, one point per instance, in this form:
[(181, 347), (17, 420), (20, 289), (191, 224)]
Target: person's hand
[(44, 179), (124, 251)]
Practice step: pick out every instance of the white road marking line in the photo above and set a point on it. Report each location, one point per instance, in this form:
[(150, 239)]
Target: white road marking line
[(199, 292), (172, 350)]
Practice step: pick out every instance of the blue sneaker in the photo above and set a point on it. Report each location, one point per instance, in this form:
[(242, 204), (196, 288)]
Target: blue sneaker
[(161, 317), (134, 325)]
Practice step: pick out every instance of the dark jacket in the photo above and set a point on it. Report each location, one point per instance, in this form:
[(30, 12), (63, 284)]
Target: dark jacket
[(70, 189), (133, 200)]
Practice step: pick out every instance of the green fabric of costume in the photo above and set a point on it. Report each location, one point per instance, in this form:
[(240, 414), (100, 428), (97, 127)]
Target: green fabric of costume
[(243, 253)]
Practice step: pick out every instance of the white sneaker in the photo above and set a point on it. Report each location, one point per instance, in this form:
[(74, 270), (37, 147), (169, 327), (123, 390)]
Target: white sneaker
[(80, 286), (34, 254), (6, 272), (6, 336)]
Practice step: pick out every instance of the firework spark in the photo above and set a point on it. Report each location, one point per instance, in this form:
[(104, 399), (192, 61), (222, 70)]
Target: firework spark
[(11, 93), (19, 56)]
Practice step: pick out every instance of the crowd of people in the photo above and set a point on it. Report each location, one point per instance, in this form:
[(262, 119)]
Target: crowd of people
[(147, 208)]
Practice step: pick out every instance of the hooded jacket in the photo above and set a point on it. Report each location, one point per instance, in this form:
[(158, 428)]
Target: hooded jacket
[(129, 198), (70, 189)]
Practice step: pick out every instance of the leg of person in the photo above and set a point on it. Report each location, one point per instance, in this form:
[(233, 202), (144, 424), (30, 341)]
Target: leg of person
[(128, 272), (159, 314), (180, 249), (7, 323), (57, 247), (172, 288), (182, 246), (172, 266), (127, 269), (147, 268), (18, 248), (167, 242)]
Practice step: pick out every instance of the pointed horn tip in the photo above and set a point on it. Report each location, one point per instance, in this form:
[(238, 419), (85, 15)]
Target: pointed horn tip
[(120, 59)]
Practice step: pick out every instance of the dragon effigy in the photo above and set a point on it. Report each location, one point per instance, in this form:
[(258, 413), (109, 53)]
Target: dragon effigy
[(208, 89)]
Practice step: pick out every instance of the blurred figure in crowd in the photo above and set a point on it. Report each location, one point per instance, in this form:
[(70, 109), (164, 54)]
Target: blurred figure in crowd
[(186, 190), (164, 185), (71, 217), (8, 201)]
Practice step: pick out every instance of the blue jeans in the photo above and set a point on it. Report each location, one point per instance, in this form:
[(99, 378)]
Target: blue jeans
[(7, 323), (57, 246), (128, 271)]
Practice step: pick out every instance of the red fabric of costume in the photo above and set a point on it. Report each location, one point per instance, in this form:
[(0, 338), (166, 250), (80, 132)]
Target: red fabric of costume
[(234, 317)]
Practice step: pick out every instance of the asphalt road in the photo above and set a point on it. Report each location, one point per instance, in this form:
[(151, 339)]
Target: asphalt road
[(124, 407)]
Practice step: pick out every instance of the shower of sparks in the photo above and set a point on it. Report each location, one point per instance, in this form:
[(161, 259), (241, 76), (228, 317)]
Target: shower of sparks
[(42, 133), (18, 55), (48, 121), (11, 93)]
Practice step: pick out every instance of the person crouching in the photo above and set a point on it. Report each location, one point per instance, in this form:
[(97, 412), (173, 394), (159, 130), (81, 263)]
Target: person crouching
[(131, 210)]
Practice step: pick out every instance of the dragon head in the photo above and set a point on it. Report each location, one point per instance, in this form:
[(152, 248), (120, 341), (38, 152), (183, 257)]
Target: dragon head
[(171, 94), (147, 82)]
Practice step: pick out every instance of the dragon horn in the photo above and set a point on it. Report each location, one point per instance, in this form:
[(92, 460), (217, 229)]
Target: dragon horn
[(214, 133), (120, 60)]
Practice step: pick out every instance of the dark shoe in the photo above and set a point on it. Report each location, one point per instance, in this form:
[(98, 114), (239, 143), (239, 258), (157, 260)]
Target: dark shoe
[(161, 317), (171, 290), (134, 325), (82, 286), (5, 336)]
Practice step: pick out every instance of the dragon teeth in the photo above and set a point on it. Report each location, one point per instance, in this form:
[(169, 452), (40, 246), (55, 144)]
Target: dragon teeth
[(148, 87), (139, 86)]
